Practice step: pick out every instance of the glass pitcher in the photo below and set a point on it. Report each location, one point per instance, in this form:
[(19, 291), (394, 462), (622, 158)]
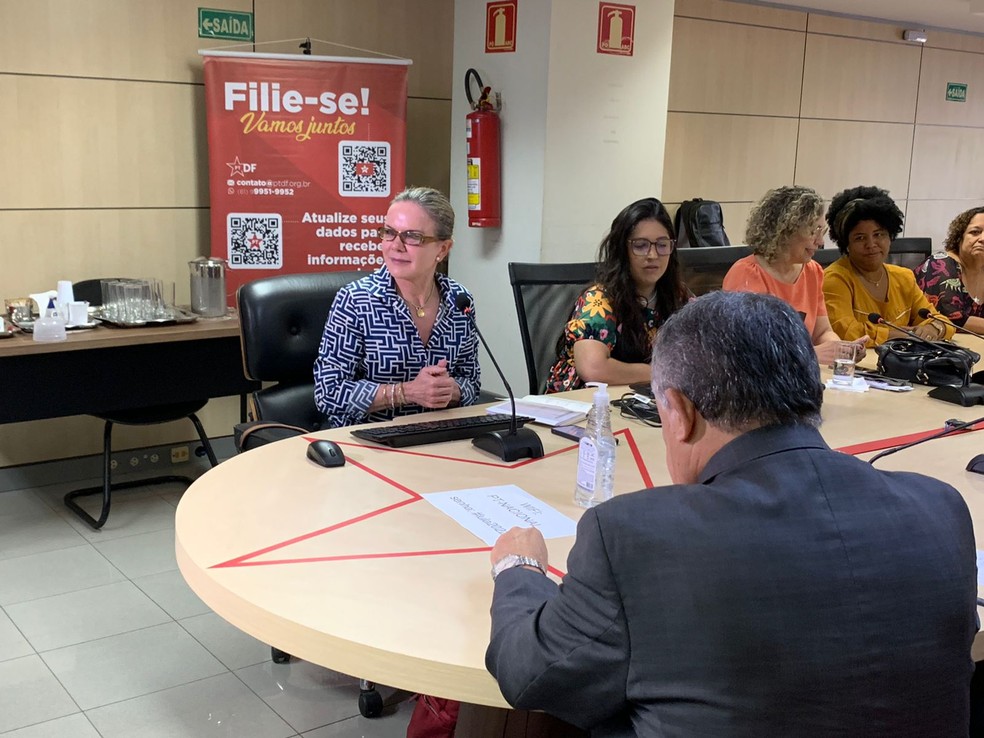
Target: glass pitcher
[(208, 294)]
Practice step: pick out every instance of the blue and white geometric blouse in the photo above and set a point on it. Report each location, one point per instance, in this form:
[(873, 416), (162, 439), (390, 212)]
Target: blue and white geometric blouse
[(370, 339)]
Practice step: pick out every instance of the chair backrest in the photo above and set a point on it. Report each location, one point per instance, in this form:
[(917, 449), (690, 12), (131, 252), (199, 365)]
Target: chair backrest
[(281, 320), (826, 257), (545, 295), (910, 252), (90, 290), (703, 270)]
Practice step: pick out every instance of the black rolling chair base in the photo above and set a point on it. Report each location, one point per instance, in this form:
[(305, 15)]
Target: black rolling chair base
[(370, 700), (72, 505)]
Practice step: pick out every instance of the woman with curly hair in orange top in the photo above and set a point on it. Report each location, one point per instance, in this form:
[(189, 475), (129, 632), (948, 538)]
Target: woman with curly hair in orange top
[(610, 333)]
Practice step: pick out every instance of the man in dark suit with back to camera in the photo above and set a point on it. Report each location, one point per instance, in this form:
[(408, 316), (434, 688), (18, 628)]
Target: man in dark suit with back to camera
[(777, 588)]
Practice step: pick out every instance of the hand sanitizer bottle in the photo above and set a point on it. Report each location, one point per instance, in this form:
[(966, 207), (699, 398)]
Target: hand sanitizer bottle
[(596, 453)]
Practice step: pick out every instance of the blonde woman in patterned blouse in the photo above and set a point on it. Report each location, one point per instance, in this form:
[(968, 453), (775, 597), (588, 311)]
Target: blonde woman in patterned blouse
[(610, 333)]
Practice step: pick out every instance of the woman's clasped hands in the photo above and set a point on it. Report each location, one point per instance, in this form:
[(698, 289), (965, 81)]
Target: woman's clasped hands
[(433, 387)]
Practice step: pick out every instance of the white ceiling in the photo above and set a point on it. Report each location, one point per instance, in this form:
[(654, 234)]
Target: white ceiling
[(950, 14)]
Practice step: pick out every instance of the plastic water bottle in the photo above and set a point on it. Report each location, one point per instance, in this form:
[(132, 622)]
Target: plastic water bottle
[(596, 453)]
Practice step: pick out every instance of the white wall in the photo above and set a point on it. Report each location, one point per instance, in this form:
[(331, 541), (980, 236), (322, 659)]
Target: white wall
[(606, 123), (480, 255), (582, 136)]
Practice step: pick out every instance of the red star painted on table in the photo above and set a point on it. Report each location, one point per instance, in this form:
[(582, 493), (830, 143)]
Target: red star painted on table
[(252, 558)]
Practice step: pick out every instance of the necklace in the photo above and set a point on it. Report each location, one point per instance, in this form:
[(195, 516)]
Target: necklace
[(873, 283), (421, 309)]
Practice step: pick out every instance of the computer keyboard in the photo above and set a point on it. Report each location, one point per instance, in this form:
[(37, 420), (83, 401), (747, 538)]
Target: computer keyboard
[(436, 431)]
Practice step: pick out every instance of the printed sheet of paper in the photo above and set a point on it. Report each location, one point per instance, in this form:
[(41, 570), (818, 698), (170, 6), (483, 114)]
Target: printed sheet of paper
[(488, 512)]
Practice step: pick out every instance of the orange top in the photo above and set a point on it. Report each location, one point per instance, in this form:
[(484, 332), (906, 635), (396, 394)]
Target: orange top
[(805, 294)]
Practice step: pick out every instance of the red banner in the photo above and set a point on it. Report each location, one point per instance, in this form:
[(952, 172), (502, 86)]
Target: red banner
[(304, 157)]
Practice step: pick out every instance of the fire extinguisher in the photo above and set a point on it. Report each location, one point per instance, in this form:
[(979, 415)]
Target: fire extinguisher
[(482, 137)]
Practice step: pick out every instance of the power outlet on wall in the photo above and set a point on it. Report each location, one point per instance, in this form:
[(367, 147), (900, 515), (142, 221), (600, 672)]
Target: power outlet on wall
[(180, 454)]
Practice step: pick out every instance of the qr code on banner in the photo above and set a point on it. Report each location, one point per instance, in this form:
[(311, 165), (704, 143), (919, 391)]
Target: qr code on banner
[(364, 168), (256, 240)]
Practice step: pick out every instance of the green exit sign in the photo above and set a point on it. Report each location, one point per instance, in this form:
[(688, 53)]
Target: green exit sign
[(956, 92), (229, 24)]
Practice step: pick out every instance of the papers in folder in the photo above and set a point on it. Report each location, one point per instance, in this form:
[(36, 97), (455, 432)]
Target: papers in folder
[(546, 410)]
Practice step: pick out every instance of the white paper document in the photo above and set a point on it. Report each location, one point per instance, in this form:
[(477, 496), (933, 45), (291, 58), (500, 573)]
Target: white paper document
[(547, 414), (488, 512)]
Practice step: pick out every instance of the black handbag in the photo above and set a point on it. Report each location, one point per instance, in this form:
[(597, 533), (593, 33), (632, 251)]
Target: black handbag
[(935, 363)]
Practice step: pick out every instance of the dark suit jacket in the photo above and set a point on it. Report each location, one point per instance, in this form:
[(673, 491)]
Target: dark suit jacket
[(795, 591)]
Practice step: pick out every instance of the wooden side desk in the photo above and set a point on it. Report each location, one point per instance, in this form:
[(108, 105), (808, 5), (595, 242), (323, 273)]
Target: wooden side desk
[(108, 368), (350, 569)]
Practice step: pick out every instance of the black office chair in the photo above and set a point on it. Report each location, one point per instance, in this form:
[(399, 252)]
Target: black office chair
[(152, 415), (281, 320), (545, 295), (827, 256), (910, 252), (703, 270)]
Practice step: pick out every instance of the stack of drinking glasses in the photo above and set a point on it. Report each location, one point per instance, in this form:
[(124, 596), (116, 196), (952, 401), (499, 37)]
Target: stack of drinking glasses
[(137, 301)]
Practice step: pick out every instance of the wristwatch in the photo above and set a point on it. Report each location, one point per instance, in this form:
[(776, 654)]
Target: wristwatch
[(511, 560)]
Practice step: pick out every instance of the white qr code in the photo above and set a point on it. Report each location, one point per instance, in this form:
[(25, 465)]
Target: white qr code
[(364, 168), (256, 240)]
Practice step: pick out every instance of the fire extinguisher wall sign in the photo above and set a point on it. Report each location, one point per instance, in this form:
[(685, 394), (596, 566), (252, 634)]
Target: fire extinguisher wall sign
[(482, 137)]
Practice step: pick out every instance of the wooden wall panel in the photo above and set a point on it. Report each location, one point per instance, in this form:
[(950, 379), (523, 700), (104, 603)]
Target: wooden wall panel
[(852, 79), (726, 157), (944, 163), (428, 144), (940, 67), (421, 30), (728, 68), (955, 41), (833, 155), (854, 28), (50, 245), (735, 216), (756, 15), (118, 39), (102, 143), (932, 217)]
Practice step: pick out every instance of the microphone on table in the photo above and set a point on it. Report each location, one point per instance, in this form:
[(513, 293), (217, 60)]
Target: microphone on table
[(512, 444), (966, 394), (879, 320), (950, 426), (925, 313)]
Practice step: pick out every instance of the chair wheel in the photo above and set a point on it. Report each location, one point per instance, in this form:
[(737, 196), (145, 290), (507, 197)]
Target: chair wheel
[(278, 656), (370, 703)]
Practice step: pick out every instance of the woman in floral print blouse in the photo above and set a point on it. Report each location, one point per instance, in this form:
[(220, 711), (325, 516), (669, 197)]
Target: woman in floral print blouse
[(954, 281), (610, 333)]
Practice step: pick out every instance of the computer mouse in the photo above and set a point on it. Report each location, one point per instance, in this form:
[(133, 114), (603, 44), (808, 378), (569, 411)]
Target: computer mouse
[(976, 464), (325, 453)]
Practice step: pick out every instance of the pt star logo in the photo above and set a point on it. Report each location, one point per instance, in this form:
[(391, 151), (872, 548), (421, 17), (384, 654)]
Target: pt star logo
[(365, 169), (236, 167)]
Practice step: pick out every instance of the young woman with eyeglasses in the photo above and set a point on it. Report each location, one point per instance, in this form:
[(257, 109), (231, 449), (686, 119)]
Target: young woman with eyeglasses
[(394, 342), (784, 230), (610, 333)]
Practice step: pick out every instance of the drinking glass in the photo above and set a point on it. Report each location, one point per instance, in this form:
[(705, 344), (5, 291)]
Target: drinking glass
[(844, 363)]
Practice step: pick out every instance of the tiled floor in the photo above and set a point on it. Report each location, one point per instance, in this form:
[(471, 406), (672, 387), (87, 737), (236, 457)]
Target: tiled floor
[(100, 636)]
